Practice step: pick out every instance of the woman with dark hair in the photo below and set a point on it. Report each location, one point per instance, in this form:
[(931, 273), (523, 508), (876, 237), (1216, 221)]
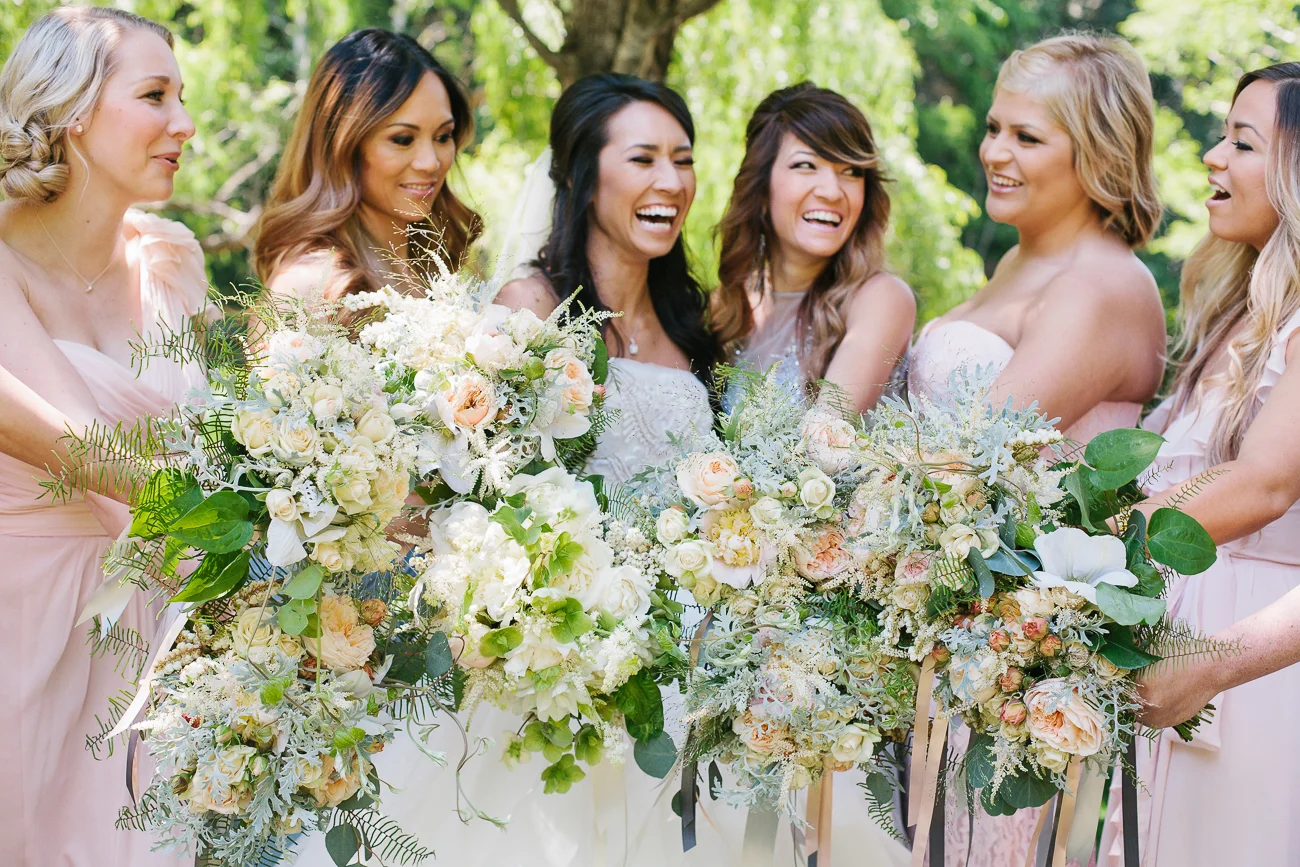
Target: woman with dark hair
[(360, 196), (802, 274), (624, 180)]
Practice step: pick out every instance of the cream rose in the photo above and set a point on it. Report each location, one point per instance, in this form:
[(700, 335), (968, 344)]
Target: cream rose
[(389, 490), (855, 744), (828, 441), (326, 401), (279, 387), (254, 628), (377, 426), (766, 511), (816, 491), (958, 540), (282, 505), (345, 642), (254, 429), (824, 559), (332, 788), (624, 593), (910, 597), (671, 526), (353, 494), (1062, 719), (470, 403), (295, 442), (707, 479), (573, 379), (692, 557), (1050, 757), (331, 556), (707, 591)]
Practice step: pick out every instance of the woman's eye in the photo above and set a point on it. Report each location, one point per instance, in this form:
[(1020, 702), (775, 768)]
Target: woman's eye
[(1026, 138), (990, 129), (643, 161), (1242, 146), (803, 164), (155, 95), (856, 172), (402, 140), (686, 162), (444, 138)]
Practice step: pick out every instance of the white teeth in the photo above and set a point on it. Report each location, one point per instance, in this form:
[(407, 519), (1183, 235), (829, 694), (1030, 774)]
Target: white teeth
[(665, 211), (823, 217), (1004, 181), (1218, 189)]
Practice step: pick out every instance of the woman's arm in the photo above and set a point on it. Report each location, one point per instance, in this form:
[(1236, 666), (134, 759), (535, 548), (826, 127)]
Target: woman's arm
[(1091, 339), (531, 293), (880, 322)]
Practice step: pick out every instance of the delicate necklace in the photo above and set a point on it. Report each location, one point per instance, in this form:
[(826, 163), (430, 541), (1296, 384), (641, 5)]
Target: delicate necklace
[(632, 347), (90, 284)]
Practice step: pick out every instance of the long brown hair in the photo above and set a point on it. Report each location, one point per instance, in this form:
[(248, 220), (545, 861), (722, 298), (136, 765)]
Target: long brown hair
[(837, 131), (313, 205), (1234, 299)]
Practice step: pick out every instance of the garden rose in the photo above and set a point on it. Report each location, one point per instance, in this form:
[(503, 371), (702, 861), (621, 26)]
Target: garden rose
[(254, 430), (326, 401), (855, 744), (816, 491), (828, 441), (708, 479), (282, 505), (692, 557), (345, 643), (377, 426), (470, 403), (913, 568), (1062, 719), (353, 494), (254, 628), (295, 442), (766, 511), (671, 526)]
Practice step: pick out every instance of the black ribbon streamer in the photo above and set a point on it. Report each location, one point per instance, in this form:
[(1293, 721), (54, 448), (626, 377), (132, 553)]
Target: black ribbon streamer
[(940, 820), (1129, 805), (688, 806)]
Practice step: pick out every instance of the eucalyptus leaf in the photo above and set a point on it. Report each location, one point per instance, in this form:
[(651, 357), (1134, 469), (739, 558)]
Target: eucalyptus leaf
[(1119, 456), (980, 764), (1026, 790), (438, 658), (1120, 649), (1178, 541), (1011, 562), (656, 756), (293, 616), (342, 843), (1128, 609), (975, 560), (305, 584)]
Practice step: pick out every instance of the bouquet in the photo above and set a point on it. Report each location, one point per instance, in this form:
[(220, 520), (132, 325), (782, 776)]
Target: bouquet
[(500, 387), (787, 685), (263, 504), (996, 566), (554, 612)]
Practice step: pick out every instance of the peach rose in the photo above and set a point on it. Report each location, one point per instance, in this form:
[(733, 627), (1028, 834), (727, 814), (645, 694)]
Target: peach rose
[(1062, 719), (828, 441), (470, 403), (824, 559), (573, 379), (708, 479), (345, 642), (331, 788)]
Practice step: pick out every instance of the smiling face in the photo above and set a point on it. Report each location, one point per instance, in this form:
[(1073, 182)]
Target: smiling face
[(405, 159), (133, 139), (1239, 206), (646, 183), (814, 204), (1029, 162)]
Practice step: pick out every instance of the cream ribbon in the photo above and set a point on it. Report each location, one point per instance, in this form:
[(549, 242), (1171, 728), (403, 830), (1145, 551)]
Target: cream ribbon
[(609, 810), (759, 848), (819, 816), (1069, 798)]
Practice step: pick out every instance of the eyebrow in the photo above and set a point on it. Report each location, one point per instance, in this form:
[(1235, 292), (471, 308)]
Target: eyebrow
[(1241, 124), (448, 122), (165, 79), (655, 148)]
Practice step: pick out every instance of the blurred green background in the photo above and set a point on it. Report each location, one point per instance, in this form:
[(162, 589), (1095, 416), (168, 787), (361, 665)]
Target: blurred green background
[(922, 70)]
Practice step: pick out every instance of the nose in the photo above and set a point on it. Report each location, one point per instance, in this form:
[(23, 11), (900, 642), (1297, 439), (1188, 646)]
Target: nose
[(667, 177), (829, 186), (426, 158), (181, 127), (1217, 156), (995, 151)]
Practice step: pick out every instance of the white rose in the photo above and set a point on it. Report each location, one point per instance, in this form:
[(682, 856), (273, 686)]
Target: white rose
[(958, 540), (253, 629), (708, 479), (1050, 757), (816, 491), (624, 593), (855, 743), (490, 344), (353, 494), (331, 557), (377, 426), (282, 505), (254, 429), (465, 648), (671, 527), (280, 387), (295, 442), (523, 325), (766, 512), (326, 401), (692, 557), (828, 441), (910, 597)]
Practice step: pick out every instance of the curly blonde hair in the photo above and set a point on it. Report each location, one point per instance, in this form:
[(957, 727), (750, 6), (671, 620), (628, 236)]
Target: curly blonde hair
[(53, 79)]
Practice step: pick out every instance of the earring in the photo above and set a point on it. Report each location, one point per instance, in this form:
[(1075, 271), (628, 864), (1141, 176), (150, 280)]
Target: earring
[(78, 129)]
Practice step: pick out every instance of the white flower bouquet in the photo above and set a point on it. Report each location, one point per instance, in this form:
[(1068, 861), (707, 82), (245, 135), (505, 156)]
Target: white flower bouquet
[(995, 565), (553, 611), (787, 684), (500, 387)]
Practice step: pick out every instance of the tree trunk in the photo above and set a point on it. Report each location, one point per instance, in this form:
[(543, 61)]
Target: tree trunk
[(629, 36)]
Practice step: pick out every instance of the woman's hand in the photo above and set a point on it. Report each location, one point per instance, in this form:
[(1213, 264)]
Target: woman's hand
[(1175, 692)]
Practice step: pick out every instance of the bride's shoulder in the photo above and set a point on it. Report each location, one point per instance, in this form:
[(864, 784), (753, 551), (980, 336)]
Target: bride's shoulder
[(312, 274), (532, 291)]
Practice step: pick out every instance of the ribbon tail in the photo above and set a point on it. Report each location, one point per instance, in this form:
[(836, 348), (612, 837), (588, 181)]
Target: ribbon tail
[(1083, 836), (1129, 805), (759, 848), (609, 797), (688, 794), (920, 741), (1065, 819), (167, 637), (1031, 856), (929, 789)]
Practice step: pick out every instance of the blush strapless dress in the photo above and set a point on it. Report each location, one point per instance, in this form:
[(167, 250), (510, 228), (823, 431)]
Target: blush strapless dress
[(58, 802), (941, 348)]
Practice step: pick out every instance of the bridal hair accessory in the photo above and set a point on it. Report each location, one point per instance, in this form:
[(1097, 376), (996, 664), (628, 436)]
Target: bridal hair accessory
[(90, 284)]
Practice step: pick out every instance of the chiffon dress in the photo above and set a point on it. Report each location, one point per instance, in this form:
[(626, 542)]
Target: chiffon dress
[(1231, 795), (58, 803), (940, 349)]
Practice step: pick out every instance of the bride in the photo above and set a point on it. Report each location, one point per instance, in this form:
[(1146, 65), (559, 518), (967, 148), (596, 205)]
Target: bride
[(623, 182)]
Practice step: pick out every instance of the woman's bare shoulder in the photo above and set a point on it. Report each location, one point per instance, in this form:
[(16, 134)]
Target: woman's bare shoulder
[(533, 292), (308, 276)]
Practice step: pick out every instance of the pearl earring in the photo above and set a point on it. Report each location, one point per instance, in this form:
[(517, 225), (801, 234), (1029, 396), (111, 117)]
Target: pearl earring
[(78, 129)]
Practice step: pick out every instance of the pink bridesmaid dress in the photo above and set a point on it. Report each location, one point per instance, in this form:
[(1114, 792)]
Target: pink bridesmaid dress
[(1231, 795), (58, 803), (941, 348)]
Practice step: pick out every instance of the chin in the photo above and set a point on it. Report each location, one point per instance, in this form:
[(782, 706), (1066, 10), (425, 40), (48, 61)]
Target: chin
[(821, 248), (1002, 212)]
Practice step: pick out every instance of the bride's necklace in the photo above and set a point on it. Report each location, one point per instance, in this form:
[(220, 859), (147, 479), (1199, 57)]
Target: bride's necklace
[(633, 348), (90, 284)]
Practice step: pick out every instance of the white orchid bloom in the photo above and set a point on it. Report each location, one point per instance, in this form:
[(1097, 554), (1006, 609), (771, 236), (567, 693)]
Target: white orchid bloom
[(286, 540), (1078, 562)]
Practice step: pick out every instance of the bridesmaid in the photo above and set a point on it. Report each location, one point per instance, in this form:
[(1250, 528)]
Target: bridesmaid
[(1071, 318), (91, 122), (802, 277), (1233, 460), (360, 197)]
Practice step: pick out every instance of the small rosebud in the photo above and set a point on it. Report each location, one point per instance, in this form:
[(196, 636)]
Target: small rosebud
[(373, 611), (941, 654), (977, 499), (789, 489), (376, 746), (743, 489), (1078, 654), (534, 368), (1011, 680), (1014, 712), (1035, 628), (1008, 608), (963, 621), (999, 640), (224, 734), (930, 514), (180, 783), (1050, 645), (598, 390)]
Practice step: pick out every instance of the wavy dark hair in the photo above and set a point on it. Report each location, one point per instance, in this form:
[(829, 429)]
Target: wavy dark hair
[(839, 132), (313, 205), (579, 131)]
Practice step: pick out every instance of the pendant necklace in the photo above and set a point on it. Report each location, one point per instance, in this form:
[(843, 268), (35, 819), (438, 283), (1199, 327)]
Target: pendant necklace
[(632, 347), (90, 284)]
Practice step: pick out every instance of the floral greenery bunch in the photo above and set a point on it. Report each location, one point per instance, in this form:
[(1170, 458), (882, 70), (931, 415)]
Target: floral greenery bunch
[(992, 557), (500, 387), (786, 685), (554, 610), (262, 501)]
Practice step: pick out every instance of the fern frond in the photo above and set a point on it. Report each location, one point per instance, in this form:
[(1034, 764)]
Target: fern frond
[(1178, 642), (119, 457), (383, 836), (141, 816), (99, 741), (127, 645), (1194, 487)]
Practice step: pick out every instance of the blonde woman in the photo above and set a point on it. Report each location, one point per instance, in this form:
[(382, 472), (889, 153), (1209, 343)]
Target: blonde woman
[(802, 279), (360, 197), (1071, 318), (91, 122), (1233, 460)]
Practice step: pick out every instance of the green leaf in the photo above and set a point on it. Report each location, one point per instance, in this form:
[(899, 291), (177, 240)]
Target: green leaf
[(975, 560), (513, 520), (168, 494), (305, 584), (568, 619), (1120, 649), (294, 616), (641, 705), (438, 659), (1026, 790), (1120, 456), (1128, 609), (342, 843), (217, 525), (561, 561), (656, 756), (1011, 562), (561, 775), (1150, 582), (589, 745), (1075, 484), (558, 733), (980, 764), (1135, 538), (995, 804), (600, 365), (499, 642), (1178, 541), (218, 576)]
